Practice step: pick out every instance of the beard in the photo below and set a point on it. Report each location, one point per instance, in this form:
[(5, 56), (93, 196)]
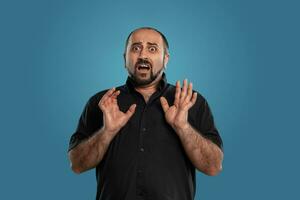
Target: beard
[(142, 82)]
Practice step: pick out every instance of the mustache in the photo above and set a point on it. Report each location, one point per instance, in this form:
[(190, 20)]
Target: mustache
[(143, 61)]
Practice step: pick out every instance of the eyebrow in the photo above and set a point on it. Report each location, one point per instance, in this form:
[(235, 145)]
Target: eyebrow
[(139, 43), (152, 43)]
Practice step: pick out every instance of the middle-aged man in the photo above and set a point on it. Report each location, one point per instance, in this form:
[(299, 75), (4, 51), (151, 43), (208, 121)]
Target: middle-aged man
[(146, 137)]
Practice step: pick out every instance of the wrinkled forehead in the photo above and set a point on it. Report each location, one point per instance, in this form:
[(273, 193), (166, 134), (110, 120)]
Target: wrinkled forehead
[(145, 36)]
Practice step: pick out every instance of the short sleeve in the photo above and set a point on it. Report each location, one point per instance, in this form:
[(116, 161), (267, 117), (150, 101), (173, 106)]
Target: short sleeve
[(89, 122), (207, 126)]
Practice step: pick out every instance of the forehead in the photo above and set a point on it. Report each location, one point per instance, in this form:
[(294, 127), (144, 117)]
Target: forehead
[(146, 35)]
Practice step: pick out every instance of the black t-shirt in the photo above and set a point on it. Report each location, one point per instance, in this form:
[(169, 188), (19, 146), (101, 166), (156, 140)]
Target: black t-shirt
[(146, 159)]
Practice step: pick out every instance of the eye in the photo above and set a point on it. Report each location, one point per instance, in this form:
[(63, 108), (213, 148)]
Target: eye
[(152, 49), (135, 48)]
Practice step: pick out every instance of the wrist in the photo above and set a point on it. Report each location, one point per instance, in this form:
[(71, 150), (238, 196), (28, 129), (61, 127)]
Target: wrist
[(181, 127), (108, 132)]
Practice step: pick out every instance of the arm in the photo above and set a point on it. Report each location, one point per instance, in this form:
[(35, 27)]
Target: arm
[(204, 154), (90, 152)]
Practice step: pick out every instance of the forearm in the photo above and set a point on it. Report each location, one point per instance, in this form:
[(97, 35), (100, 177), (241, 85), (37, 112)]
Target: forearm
[(204, 154), (90, 152)]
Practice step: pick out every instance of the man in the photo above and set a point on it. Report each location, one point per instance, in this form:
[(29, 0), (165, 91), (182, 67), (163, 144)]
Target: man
[(147, 137)]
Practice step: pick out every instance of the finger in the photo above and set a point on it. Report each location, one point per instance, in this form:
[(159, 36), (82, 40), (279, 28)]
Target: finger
[(130, 111), (183, 91), (106, 95), (194, 99), (113, 97), (164, 104), (189, 93), (177, 94), (109, 92), (115, 94)]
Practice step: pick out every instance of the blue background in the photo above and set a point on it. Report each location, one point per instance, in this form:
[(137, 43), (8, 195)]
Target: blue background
[(243, 56)]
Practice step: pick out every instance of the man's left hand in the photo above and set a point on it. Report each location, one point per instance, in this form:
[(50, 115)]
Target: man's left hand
[(177, 114)]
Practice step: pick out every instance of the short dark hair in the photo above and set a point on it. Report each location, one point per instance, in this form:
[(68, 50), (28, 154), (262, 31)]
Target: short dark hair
[(166, 44)]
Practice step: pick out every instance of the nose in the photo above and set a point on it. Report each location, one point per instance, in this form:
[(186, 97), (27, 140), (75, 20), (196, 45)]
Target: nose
[(143, 53)]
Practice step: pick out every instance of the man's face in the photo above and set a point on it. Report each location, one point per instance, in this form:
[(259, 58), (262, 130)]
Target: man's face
[(145, 56)]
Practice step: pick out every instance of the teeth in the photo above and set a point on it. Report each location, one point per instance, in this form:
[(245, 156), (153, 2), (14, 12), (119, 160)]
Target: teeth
[(143, 66)]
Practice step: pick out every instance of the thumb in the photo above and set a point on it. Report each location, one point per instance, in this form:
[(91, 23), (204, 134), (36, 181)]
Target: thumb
[(130, 110), (164, 103)]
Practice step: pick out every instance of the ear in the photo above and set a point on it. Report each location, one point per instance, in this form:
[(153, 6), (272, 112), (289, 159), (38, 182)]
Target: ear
[(166, 59), (124, 56)]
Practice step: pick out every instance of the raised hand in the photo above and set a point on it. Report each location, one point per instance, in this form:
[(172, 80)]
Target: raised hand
[(113, 118), (177, 114)]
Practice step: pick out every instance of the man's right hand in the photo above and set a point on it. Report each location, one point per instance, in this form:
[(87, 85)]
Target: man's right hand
[(113, 118)]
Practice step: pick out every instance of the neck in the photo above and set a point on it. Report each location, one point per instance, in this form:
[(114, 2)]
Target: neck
[(151, 87), (148, 90)]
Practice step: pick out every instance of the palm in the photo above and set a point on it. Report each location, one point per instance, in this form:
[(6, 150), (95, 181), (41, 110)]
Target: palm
[(113, 118), (177, 114)]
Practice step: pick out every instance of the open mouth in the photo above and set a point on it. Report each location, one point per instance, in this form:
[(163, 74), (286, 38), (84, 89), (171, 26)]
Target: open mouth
[(143, 67)]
